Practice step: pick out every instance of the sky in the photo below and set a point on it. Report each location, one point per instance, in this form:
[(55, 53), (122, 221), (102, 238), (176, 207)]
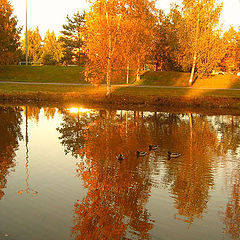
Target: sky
[(51, 14)]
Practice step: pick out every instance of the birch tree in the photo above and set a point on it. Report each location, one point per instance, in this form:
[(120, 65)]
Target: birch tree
[(201, 18), (52, 49), (34, 45), (117, 35)]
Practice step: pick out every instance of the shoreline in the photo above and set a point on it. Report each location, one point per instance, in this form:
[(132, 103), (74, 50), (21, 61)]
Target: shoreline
[(214, 103)]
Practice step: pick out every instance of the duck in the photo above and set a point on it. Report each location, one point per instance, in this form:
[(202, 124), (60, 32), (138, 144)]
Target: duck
[(153, 147), (141, 154), (120, 157), (174, 155)]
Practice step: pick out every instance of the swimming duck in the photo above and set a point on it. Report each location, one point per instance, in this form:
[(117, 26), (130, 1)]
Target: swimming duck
[(141, 154), (174, 155), (120, 157), (153, 147)]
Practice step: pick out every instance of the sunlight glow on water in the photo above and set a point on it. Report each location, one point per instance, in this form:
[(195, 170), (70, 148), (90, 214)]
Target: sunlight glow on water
[(60, 177)]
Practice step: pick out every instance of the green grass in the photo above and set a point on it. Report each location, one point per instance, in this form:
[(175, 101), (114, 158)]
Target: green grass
[(29, 89), (53, 74), (163, 92), (63, 74), (60, 74), (164, 79), (181, 79), (219, 81)]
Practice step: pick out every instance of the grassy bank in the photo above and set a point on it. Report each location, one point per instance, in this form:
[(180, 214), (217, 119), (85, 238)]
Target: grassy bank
[(122, 95), (145, 92), (75, 74), (180, 79), (52, 74)]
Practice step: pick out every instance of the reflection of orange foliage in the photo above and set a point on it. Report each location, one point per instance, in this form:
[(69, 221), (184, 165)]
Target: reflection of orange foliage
[(33, 112), (10, 133), (232, 214), (117, 191), (192, 177), (49, 112)]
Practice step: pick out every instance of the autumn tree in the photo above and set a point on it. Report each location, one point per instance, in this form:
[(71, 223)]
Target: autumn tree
[(165, 52), (231, 60), (34, 45), (72, 38), (52, 49), (199, 35), (136, 40), (117, 32), (9, 34)]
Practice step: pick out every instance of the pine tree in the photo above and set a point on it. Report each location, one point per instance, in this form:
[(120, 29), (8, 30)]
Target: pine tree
[(72, 38)]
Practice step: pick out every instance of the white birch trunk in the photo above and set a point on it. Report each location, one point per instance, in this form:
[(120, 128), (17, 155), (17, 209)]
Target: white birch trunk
[(193, 68), (195, 51), (127, 73), (109, 66)]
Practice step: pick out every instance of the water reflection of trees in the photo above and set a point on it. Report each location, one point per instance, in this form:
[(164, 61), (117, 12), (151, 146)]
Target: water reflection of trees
[(117, 191), (228, 128), (10, 134), (228, 131), (191, 177), (72, 131), (232, 212)]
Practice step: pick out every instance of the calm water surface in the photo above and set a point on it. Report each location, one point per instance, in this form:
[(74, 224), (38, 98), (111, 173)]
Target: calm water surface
[(60, 178)]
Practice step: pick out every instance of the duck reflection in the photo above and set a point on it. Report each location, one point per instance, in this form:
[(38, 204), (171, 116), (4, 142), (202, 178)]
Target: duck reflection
[(10, 135)]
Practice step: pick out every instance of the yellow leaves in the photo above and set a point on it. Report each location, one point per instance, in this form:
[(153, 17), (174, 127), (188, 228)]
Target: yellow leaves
[(118, 34), (9, 34)]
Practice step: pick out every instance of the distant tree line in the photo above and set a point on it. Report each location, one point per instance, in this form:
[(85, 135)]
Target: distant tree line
[(117, 38)]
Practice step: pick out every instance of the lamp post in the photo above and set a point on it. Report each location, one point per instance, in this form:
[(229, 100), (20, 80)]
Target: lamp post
[(26, 37)]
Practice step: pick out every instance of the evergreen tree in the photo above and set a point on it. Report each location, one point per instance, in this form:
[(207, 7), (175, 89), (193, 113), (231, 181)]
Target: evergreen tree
[(9, 34), (72, 39)]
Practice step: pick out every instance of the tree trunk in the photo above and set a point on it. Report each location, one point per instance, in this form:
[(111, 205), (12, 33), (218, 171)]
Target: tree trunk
[(195, 51), (109, 66), (127, 73), (138, 74), (138, 70), (193, 68)]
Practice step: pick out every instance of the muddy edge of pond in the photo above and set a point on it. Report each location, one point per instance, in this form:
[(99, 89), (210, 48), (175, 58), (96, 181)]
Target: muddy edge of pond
[(116, 101)]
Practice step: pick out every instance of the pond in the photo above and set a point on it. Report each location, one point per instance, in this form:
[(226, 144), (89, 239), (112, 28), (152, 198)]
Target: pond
[(60, 176)]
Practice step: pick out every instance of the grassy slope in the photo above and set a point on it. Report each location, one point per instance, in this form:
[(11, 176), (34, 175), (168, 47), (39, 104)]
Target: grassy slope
[(181, 80), (52, 74), (164, 79), (141, 93), (60, 74)]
